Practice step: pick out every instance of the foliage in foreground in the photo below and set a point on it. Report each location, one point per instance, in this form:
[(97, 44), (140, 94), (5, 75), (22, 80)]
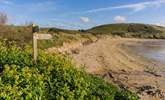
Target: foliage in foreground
[(53, 77)]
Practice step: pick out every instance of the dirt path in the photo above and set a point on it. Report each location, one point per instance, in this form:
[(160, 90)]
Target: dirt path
[(110, 59)]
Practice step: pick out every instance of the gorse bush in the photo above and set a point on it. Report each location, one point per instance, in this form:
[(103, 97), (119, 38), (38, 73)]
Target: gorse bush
[(54, 77)]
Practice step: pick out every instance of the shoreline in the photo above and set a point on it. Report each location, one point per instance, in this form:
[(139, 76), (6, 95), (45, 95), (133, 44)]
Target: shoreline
[(111, 59), (118, 52), (107, 58)]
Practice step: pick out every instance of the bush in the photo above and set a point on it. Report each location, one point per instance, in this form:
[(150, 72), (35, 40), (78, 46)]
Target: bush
[(53, 77), (119, 33), (141, 28), (21, 83), (125, 95)]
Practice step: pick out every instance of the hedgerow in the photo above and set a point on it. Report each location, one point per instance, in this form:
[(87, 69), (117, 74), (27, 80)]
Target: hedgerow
[(54, 77)]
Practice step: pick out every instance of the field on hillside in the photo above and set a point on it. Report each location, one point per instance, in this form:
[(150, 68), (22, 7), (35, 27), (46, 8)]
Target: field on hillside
[(131, 30), (23, 34)]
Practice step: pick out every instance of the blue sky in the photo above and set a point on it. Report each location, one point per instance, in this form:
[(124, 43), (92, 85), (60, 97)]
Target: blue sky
[(78, 14)]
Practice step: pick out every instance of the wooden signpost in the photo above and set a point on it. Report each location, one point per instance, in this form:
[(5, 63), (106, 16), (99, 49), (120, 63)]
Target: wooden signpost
[(36, 36)]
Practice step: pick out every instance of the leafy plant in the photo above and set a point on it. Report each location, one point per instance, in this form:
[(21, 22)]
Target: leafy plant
[(21, 83), (53, 77)]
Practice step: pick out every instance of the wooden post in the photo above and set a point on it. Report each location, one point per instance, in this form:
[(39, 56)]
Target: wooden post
[(36, 37), (35, 51), (35, 30)]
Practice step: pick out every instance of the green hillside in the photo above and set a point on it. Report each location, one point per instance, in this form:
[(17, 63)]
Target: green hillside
[(130, 30), (23, 35)]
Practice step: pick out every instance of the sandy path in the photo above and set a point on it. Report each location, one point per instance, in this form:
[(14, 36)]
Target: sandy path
[(110, 59)]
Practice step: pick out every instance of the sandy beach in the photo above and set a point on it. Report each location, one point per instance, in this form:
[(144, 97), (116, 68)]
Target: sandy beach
[(113, 60)]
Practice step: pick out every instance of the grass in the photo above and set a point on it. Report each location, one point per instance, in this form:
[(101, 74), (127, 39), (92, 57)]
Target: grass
[(22, 35), (131, 30)]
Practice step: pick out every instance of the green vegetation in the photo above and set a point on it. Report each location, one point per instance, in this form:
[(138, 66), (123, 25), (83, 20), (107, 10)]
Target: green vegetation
[(108, 29), (53, 77), (16, 33), (23, 35), (130, 30)]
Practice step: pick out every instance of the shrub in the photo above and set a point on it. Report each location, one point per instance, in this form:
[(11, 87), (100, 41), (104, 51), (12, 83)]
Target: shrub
[(119, 33), (53, 77), (126, 95), (21, 83)]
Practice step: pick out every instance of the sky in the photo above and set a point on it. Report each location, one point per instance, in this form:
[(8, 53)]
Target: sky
[(83, 14)]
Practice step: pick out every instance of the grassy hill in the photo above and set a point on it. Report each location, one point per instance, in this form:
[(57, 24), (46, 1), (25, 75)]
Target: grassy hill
[(130, 30), (23, 35)]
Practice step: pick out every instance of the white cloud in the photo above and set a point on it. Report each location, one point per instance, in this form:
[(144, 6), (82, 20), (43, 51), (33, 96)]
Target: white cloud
[(135, 7), (70, 24), (59, 22), (119, 19), (85, 19)]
